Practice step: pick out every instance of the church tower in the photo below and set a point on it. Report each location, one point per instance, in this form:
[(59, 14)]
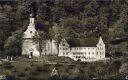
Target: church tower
[(30, 46)]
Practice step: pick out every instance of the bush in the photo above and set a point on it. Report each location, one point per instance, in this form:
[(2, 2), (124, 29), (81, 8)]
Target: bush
[(39, 69), (71, 66), (14, 70), (56, 78), (21, 74), (79, 60), (7, 65), (32, 78), (27, 69), (124, 68), (58, 65), (9, 77), (33, 73)]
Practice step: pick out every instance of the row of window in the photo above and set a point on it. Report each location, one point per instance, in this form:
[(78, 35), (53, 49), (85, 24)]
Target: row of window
[(80, 57), (100, 48), (89, 53), (82, 53), (63, 48), (80, 48), (100, 53), (65, 53)]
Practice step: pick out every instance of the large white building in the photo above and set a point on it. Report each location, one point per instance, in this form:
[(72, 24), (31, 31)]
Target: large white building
[(88, 53), (32, 48)]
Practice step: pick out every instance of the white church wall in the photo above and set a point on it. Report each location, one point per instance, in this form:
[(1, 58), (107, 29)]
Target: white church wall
[(54, 47), (50, 47), (29, 46)]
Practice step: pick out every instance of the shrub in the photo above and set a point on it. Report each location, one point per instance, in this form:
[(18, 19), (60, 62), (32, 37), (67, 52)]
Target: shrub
[(39, 69), (32, 78), (124, 68), (58, 65), (9, 77), (43, 68), (7, 65), (79, 60), (27, 69), (56, 78), (33, 73), (71, 66), (14, 70), (21, 74)]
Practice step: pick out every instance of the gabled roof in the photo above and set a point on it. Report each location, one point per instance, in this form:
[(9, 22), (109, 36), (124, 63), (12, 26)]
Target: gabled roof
[(85, 42)]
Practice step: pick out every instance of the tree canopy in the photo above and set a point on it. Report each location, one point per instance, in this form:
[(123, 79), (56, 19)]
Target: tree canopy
[(74, 19)]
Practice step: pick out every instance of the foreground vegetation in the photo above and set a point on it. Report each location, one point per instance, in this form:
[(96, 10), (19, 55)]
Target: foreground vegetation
[(20, 70)]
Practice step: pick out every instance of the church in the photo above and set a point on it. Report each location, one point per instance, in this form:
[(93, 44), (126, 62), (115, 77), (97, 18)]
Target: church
[(30, 47)]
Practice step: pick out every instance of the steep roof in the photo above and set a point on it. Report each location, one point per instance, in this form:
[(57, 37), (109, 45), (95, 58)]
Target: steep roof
[(86, 42)]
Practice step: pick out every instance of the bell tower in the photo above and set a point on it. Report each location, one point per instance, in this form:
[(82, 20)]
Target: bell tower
[(31, 31), (32, 23)]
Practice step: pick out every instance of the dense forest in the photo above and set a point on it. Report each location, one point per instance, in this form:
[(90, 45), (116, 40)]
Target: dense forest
[(70, 19)]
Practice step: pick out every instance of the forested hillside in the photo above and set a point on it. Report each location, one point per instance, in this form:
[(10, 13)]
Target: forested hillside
[(71, 19)]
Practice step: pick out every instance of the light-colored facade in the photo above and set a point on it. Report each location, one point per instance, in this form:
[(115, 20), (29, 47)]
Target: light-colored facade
[(31, 47), (50, 48), (83, 53)]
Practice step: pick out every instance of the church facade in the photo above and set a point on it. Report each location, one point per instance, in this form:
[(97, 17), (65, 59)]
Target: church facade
[(31, 47)]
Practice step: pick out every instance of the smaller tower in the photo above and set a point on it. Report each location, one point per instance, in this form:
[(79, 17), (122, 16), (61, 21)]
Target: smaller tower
[(100, 53), (64, 48), (32, 20)]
